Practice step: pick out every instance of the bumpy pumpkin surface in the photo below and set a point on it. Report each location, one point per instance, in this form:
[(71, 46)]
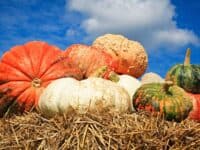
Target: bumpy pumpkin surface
[(186, 75), (89, 58), (171, 101), (131, 54), (26, 69)]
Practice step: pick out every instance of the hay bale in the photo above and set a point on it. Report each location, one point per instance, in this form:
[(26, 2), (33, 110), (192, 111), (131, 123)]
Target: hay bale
[(97, 130)]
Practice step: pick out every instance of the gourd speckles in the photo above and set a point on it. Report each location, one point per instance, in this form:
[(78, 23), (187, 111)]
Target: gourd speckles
[(131, 54), (164, 98)]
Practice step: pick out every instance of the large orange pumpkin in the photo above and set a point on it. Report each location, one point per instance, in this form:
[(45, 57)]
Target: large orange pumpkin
[(26, 69)]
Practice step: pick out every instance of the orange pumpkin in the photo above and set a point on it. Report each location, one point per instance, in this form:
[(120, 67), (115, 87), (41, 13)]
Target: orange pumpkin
[(90, 58), (26, 69), (195, 113)]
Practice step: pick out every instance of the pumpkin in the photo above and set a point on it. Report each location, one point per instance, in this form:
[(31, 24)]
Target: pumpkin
[(129, 83), (27, 69), (89, 58), (131, 54), (163, 98), (92, 94), (151, 77), (186, 75), (195, 113)]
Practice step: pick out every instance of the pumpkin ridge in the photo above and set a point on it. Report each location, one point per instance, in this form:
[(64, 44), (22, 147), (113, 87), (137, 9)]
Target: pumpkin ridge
[(41, 58), (29, 100), (31, 103), (180, 78), (15, 55), (31, 62), (46, 72), (197, 70), (176, 103), (15, 91), (196, 74), (45, 59), (24, 73), (51, 66), (178, 108), (29, 81), (56, 61), (173, 71), (22, 92)]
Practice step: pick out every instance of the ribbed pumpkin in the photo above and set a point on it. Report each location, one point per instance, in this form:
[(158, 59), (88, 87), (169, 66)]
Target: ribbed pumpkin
[(26, 69), (131, 54), (92, 94), (186, 75), (89, 58), (129, 83), (195, 113), (166, 99)]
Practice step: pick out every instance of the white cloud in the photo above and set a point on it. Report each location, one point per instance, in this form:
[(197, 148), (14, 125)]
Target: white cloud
[(148, 21)]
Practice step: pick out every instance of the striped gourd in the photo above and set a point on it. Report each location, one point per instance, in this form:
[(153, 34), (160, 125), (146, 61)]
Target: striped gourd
[(186, 75), (164, 98)]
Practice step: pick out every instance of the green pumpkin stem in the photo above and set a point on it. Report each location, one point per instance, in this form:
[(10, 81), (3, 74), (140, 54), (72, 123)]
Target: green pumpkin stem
[(113, 77), (166, 85), (187, 57), (99, 72)]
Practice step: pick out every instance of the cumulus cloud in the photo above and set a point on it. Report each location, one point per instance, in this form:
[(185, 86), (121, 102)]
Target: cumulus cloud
[(151, 22)]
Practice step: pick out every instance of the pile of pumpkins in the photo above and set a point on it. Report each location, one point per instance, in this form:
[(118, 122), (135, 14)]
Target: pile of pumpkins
[(102, 75)]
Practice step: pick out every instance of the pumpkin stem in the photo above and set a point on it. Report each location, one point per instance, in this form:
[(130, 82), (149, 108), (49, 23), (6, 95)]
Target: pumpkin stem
[(166, 85), (36, 82), (99, 72), (187, 57), (113, 77)]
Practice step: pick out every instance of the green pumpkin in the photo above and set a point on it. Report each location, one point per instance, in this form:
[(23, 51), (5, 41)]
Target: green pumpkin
[(164, 98), (186, 75)]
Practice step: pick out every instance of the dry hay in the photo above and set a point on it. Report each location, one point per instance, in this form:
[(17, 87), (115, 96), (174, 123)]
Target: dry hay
[(97, 130)]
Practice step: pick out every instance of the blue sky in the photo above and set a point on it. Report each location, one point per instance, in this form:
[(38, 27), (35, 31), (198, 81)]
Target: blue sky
[(165, 28)]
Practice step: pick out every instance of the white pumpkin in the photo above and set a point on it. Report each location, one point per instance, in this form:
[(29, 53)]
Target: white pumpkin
[(151, 77), (93, 93), (129, 83)]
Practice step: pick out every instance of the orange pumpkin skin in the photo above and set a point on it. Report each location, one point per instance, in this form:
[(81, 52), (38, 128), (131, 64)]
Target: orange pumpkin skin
[(195, 113), (90, 58), (26, 69)]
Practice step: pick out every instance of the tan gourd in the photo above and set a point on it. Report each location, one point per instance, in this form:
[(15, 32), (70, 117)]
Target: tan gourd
[(133, 59)]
